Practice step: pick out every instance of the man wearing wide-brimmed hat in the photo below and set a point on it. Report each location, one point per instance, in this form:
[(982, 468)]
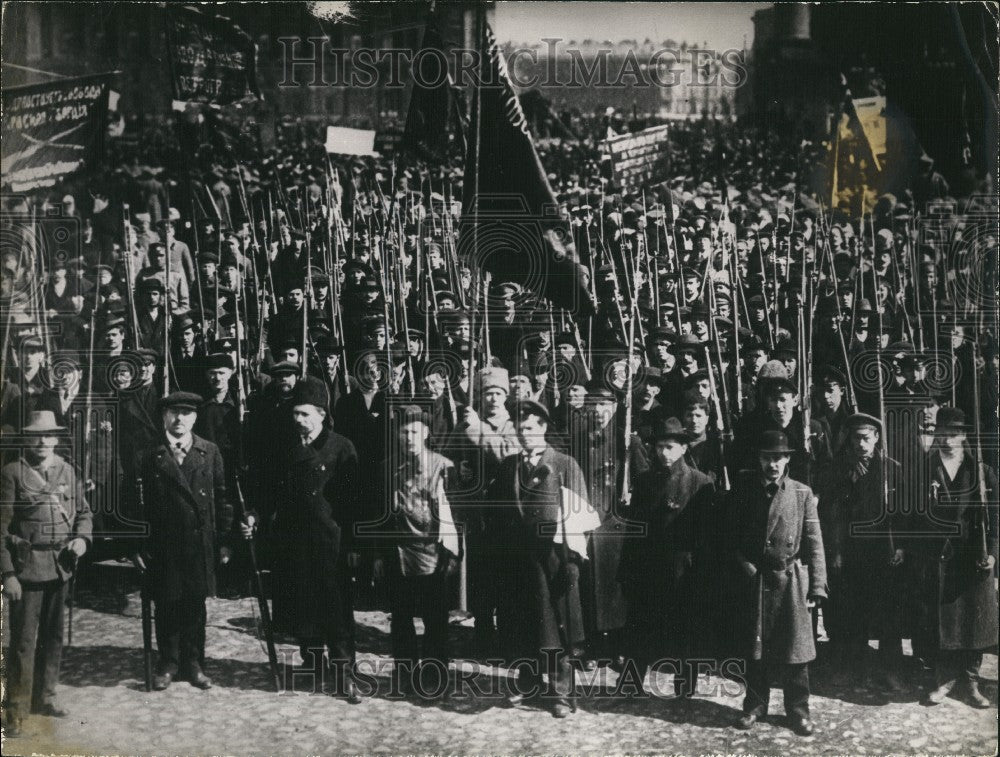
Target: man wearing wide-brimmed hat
[(778, 550), (660, 568), (45, 527)]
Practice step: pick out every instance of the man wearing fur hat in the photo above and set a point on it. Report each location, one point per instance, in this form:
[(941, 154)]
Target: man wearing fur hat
[(314, 541), (45, 527), (477, 446)]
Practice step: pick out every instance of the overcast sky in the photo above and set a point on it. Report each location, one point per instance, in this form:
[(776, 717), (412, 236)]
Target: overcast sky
[(721, 25)]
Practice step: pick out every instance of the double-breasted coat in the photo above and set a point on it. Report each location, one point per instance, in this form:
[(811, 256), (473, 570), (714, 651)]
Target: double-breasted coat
[(313, 530), (40, 513), (539, 588), (778, 549), (189, 515)]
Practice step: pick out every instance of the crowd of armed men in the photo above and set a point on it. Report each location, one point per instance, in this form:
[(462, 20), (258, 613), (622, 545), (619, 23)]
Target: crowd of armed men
[(776, 415)]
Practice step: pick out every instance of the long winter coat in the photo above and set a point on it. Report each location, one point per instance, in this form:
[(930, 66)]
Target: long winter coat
[(777, 546), (665, 572), (188, 515), (313, 530), (962, 598), (539, 589)]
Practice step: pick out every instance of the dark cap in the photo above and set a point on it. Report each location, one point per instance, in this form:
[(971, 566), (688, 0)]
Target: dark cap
[(219, 360), (311, 391), (863, 420), (524, 408), (284, 368), (180, 401)]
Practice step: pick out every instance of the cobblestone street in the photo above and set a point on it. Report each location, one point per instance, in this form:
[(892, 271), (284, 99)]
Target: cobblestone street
[(111, 713)]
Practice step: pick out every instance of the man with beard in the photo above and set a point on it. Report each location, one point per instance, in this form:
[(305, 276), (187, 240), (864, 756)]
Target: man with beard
[(313, 535), (151, 318), (45, 526), (659, 569)]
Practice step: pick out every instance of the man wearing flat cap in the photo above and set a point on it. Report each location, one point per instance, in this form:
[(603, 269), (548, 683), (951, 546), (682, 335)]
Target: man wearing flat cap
[(542, 518), (267, 426), (45, 527), (187, 508), (777, 552), (865, 554)]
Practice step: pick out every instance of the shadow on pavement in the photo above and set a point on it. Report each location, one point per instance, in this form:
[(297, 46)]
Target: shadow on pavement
[(113, 666)]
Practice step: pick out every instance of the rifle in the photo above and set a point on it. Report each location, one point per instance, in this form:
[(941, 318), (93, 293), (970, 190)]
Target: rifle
[(147, 606), (978, 452), (265, 610)]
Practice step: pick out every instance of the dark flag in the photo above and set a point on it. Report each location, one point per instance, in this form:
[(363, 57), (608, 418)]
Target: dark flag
[(52, 130), (211, 59), (510, 221), (429, 118)]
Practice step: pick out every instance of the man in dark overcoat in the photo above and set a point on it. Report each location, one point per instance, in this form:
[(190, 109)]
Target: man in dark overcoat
[(961, 592), (859, 496), (539, 616), (45, 527), (660, 568), (189, 515), (776, 543), (313, 540)]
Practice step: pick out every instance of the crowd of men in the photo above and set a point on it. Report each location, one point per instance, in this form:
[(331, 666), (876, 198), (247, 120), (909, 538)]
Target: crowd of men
[(778, 412)]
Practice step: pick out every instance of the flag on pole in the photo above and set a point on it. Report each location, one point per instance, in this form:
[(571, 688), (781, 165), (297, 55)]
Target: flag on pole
[(212, 60), (432, 110), (510, 221)]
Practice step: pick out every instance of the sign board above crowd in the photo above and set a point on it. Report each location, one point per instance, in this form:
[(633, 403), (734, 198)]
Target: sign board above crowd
[(871, 115), (52, 130), (211, 59), (638, 157), (344, 141)]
